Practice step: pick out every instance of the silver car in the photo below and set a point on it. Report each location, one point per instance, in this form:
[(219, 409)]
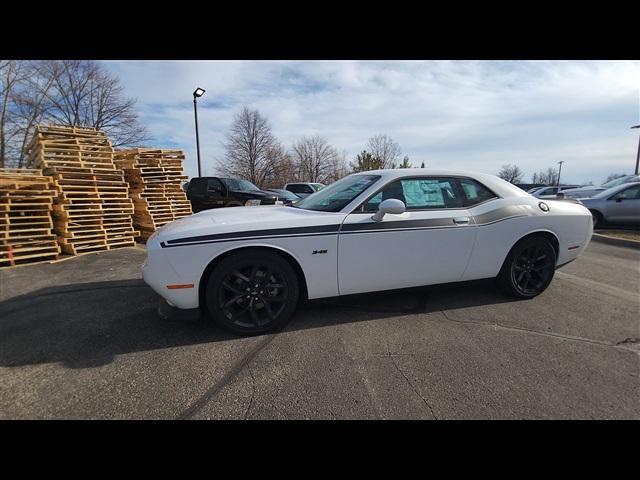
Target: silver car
[(619, 204), (589, 191)]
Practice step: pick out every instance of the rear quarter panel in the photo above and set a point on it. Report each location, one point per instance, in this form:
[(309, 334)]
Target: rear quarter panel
[(569, 222)]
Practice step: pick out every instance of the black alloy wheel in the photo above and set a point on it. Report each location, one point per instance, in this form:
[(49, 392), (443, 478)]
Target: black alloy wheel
[(252, 293), (529, 268)]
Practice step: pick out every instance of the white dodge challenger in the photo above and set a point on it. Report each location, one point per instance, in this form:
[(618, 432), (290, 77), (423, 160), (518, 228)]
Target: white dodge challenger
[(248, 267)]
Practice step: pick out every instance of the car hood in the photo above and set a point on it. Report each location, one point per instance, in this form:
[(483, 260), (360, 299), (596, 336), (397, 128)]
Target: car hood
[(254, 193), (245, 219)]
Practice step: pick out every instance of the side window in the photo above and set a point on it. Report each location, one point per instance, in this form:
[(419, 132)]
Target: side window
[(214, 185), (474, 192), (629, 193), (419, 194), (197, 185)]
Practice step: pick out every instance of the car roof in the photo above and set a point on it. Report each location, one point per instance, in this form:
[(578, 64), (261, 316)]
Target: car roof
[(499, 186)]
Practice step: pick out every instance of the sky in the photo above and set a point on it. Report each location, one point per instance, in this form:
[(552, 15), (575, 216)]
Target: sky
[(467, 115)]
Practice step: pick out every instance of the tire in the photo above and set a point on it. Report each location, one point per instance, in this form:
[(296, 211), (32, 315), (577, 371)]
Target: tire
[(269, 302), (529, 268), (597, 219)]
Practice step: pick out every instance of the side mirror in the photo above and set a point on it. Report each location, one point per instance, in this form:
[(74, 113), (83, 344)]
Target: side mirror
[(619, 199), (390, 205), (560, 195)]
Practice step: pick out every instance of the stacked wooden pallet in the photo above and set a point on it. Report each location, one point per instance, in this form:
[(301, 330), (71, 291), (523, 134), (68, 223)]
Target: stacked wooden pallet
[(26, 198), (155, 178), (92, 210)]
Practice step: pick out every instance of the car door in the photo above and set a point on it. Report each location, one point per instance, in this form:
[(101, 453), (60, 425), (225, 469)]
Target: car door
[(216, 193), (624, 206), (196, 192), (430, 243)]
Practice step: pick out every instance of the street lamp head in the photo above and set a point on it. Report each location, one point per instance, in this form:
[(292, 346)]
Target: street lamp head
[(198, 92)]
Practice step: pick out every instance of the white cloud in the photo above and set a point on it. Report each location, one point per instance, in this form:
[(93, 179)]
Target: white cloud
[(469, 115)]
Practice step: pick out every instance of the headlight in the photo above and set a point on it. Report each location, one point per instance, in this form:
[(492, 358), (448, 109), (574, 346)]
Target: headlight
[(252, 203)]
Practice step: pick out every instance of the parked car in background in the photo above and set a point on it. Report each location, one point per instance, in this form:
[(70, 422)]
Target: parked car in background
[(620, 204), (285, 196), (304, 189), (205, 193), (552, 192), (529, 186), (379, 230), (590, 190)]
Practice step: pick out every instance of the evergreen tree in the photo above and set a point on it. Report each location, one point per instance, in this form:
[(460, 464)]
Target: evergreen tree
[(366, 161)]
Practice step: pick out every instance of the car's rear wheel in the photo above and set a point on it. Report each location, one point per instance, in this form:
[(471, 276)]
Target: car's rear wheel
[(529, 268), (252, 292), (597, 218)]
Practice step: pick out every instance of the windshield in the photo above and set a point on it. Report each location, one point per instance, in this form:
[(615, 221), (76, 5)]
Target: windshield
[(240, 185), (337, 195), (617, 181), (317, 186)]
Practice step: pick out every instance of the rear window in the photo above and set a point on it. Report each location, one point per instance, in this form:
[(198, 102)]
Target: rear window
[(300, 188), (474, 192)]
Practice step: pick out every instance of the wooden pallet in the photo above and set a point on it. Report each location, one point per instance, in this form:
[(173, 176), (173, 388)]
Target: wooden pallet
[(155, 179), (26, 200), (92, 210)]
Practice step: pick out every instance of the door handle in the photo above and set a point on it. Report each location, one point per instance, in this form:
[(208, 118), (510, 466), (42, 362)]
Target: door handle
[(461, 220)]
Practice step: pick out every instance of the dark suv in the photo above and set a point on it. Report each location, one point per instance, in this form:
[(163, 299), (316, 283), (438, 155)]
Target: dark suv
[(205, 193)]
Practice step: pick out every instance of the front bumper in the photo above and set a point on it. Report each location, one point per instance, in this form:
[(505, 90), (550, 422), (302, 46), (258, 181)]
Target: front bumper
[(159, 274), (171, 313)]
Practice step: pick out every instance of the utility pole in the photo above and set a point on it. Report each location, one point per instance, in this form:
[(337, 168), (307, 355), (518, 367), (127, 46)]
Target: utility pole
[(560, 171), (638, 154), (196, 94)]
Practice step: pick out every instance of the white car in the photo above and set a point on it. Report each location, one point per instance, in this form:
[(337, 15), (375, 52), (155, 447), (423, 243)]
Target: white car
[(247, 268), (303, 189), (552, 192)]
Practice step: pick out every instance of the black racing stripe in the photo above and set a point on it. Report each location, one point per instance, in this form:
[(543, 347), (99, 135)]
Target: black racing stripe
[(400, 224), (493, 216), (257, 233), (503, 213)]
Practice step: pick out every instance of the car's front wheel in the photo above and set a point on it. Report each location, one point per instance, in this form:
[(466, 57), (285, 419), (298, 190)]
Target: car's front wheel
[(252, 292), (529, 268)]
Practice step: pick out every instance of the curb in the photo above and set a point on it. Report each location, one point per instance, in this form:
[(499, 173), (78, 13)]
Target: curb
[(620, 242)]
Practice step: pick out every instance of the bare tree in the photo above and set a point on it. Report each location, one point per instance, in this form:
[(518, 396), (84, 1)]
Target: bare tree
[(548, 177), (83, 93), (69, 93), (385, 149), (10, 77), (339, 168), (314, 158), (511, 173), (251, 148)]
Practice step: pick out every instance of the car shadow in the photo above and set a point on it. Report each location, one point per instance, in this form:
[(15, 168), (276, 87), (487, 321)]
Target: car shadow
[(87, 325)]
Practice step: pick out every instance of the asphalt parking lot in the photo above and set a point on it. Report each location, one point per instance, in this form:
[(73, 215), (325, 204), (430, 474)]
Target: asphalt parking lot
[(80, 339)]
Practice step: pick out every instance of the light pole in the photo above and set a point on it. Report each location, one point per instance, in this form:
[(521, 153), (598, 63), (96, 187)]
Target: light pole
[(560, 171), (198, 92), (638, 154)]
